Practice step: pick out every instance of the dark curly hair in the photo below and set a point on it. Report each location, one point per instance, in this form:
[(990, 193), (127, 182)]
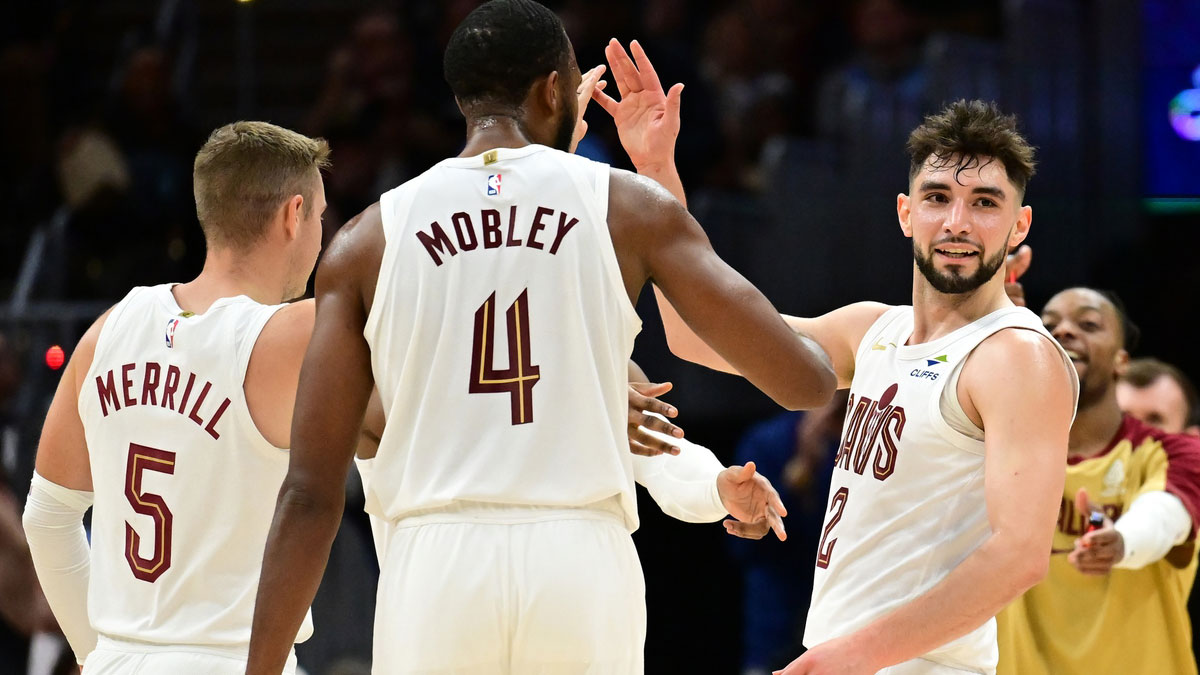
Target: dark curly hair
[(968, 135), (502, 46)]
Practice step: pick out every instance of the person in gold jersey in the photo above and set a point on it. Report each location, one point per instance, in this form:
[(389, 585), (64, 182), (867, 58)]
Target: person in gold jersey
[(1115, 598)]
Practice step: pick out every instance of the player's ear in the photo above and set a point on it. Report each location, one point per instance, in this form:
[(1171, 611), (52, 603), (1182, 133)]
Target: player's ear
[(292, 209), (1021, 230), (550, 94), (1120, 363), (904, 213)]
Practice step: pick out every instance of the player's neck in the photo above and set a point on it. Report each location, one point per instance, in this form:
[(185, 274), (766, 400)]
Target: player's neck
[(936, 314), (1095, 425), (226, 275), (487, 132)]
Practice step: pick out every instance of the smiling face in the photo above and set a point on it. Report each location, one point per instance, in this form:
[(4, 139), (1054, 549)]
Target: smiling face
[(1087, 326), (962, 217)]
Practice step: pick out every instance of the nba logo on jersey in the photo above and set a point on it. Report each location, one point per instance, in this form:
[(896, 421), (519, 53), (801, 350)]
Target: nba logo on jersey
[(172, 324), (493, 185)]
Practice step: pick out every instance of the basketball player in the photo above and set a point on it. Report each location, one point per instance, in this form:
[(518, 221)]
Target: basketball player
[(1160, 395), (172, 421), (1115, 599), (945, 490), (490, 301)]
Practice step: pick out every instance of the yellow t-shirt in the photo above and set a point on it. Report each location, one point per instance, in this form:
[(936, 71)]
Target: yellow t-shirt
[(1129, 621)]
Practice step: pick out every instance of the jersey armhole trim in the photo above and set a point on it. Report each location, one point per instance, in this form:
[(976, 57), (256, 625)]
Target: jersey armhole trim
[(598, 207), (877, 328), (245, 347), (394, 206)]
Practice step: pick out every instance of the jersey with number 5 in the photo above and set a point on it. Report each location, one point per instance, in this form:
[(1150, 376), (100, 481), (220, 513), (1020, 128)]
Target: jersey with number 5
[(185, 484), (906, 499), (500, 333)]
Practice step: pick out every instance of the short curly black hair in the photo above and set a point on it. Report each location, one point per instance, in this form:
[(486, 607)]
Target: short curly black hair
[(502, 46), (966, 133)]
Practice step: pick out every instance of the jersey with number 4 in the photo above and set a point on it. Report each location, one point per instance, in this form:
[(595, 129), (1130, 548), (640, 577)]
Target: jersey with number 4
[(906, 500), (184, 483), (500, 333)]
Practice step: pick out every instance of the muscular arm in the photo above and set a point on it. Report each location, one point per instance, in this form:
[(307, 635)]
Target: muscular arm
[(335, 384), (656, 239), (1019, 386), (838, 333)]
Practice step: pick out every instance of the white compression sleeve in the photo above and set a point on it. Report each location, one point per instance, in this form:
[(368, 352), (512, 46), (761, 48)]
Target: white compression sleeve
[(53, 523), (685, 485), (1154, 523)]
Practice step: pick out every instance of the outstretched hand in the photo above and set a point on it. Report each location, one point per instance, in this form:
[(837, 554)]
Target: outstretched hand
[(647, 119), (642, 402), (752, 501)]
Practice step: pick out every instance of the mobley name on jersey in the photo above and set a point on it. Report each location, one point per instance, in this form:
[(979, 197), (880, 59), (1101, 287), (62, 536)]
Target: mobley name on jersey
[(159, 390), (436, 241)]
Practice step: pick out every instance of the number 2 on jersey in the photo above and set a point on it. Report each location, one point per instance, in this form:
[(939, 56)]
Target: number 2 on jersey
[(520, 376), (142, 459), (836, 506)]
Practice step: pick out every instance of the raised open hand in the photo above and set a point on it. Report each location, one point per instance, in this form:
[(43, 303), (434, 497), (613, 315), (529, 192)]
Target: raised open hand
[(647, 119)]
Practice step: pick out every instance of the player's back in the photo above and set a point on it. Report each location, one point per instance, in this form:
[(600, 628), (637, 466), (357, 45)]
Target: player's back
[(185, 485), (500, 332)]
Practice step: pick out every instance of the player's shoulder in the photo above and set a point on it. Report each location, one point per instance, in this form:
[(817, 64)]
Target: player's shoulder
[(1019, 345), (636, 189), (358, 241), (289, 328), (1012, 355)]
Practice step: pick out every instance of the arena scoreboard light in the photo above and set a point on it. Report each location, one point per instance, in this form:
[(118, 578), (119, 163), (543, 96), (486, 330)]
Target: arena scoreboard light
[(1171, 103)]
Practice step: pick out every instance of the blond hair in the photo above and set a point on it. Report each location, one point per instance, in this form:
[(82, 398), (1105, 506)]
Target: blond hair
[(245, 172)]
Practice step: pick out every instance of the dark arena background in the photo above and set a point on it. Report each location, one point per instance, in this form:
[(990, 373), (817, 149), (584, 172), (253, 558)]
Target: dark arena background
[(794, 115)]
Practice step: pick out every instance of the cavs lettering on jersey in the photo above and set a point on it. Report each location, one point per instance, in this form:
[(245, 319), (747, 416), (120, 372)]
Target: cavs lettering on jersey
[(184, 484), (500, 332), (906, 500), (1133, 622)]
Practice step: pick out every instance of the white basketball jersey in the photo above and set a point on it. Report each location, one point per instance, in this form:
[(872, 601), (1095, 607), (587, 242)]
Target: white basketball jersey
[(185, 485), (906, 502), (500, 334)]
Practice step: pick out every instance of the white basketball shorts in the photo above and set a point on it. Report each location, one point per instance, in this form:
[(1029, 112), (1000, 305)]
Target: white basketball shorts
[(506, 590)]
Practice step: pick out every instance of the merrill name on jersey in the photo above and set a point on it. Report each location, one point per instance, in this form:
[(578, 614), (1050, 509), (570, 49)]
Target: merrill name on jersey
[(159, 387)]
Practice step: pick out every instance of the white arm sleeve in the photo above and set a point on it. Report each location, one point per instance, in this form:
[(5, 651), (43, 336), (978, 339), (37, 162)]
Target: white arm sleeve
[(685, 485), (53, 523), (1154, 523)]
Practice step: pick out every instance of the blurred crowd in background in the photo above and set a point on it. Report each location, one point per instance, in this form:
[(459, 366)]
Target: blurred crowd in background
[(795, 114)]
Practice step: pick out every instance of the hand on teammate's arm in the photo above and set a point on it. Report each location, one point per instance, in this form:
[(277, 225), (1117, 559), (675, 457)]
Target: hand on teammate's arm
[(644, 414), (1025, 466)]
